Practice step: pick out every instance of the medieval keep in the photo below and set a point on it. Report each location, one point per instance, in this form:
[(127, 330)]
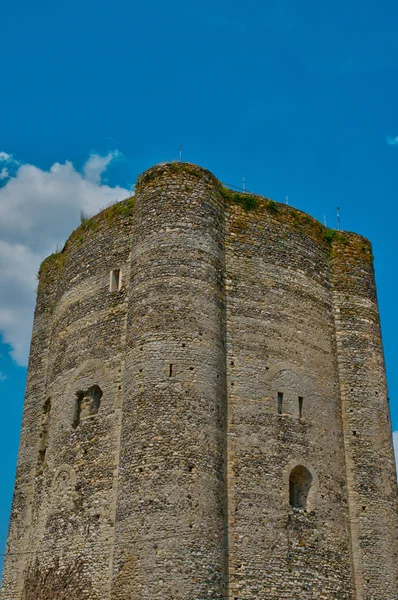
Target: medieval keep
[(206, 411)]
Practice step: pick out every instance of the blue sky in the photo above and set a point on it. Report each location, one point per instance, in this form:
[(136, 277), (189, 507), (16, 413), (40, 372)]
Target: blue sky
[(298, 97)]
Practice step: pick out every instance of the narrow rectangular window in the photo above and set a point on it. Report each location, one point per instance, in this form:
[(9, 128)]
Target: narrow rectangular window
[(115, 280), (280, 402), (171, 371), (301, 401), (45, 423)]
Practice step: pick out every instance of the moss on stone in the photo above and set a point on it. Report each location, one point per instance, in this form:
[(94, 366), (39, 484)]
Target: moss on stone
[(351, 247), (246, 201), (51, 265), (55, 262), (174, 168), (272, 206), (120, 209), (123, 209), (293, 220)]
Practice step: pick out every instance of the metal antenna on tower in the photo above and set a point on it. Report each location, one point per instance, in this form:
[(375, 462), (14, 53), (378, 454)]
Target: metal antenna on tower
[(180, 153), (338, 218)]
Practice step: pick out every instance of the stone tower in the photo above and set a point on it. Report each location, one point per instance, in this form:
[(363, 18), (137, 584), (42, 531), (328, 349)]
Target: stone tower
[(206, 411)]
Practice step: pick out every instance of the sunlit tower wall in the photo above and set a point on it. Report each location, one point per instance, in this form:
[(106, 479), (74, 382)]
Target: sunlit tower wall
[(206, 412), (171, 508)]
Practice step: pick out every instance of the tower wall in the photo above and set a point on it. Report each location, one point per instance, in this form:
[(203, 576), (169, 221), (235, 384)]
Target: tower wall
[(281, 341), (206, 412), (170, 537), (371, 471), (20, 530), (70, 526)]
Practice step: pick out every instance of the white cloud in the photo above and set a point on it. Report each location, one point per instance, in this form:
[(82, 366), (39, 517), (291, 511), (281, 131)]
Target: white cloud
[(38, 211), (4, 157), (395, 440), (4, 173), (96, 165), (392, 141), (2, 377)]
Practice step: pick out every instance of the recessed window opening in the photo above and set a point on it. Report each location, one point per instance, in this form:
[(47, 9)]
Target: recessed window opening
[(115, 280), (301, 402), (171, 371), (45, 422), (280, 402), (87, 404), (300, 482)]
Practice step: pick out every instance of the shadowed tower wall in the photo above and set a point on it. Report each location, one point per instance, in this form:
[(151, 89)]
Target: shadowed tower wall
[(62, 523), (206, 413)]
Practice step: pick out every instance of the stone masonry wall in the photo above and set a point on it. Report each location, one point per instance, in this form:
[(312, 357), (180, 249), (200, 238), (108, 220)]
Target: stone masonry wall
[(21, 513), (281, 340), (72, 491), (170, 537), (366, 424), (217, 426)]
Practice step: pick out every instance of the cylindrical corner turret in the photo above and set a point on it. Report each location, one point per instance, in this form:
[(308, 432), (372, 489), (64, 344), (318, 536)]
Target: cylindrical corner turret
[(171, 500), (371, 476)]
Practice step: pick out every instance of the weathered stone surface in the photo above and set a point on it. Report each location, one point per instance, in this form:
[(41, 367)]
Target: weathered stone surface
[(217, 426)]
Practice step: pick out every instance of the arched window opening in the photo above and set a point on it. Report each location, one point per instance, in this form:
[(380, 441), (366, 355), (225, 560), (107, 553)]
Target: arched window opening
[(87, 404), (44, 427), (300, 482)]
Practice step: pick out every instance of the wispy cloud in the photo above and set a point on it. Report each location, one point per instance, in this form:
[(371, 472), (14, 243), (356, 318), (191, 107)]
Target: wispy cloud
[(4, 173), (38, 210), (96, 165), (2, 376), (392, 141), (8, 158)]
